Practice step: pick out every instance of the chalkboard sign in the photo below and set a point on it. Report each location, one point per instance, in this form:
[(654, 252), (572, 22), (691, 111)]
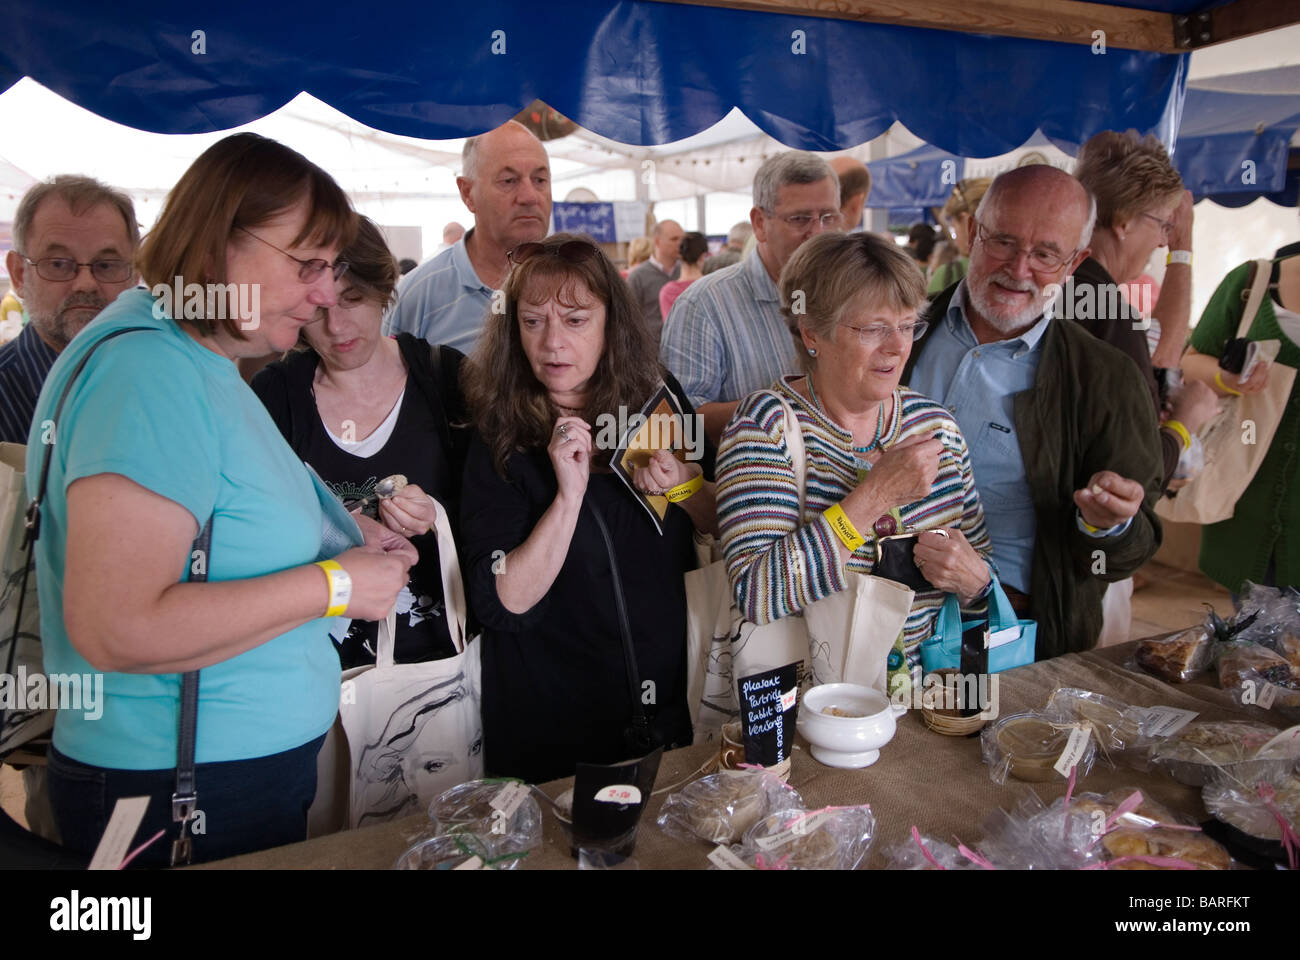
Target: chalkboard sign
[(769, 705), (596, 220)]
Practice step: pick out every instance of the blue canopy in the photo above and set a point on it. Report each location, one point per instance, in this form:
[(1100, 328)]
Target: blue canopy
[(637, 72)]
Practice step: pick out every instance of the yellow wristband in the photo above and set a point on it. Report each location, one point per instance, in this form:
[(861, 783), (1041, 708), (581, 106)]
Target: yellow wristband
[(340, 587), (844, 528), (1218, 379), (1177, 427), (1088, 526), (684, 491)]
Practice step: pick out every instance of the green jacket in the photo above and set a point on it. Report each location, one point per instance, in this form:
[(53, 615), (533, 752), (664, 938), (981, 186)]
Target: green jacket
[(1266, 520), (1086, 412)]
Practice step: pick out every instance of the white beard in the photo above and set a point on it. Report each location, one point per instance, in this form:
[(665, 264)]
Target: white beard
[(993, 313)]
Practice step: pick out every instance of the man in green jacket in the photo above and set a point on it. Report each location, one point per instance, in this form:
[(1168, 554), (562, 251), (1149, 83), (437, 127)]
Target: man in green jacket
[(1062, 435)]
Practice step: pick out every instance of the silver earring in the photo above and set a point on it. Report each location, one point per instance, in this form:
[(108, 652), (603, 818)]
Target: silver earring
[(812, 352)]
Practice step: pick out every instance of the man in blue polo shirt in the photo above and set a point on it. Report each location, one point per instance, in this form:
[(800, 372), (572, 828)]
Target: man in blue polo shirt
[(74, 241), (506, 183)]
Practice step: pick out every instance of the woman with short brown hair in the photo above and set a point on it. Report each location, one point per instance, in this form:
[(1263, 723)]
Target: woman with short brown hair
[(554, 372), (159, 440)]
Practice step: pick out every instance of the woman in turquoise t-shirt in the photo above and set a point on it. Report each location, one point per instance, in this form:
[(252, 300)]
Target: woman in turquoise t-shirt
[(159, 434)]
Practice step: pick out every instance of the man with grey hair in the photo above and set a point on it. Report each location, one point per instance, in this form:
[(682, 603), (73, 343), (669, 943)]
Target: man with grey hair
[(505, 182), (74, 243), (647, 279), (1062, 435), (726, 337)]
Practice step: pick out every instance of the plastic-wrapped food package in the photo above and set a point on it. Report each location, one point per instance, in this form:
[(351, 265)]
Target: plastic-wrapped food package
[(833, 838), (1265, 813), (1265, 614), (719, 808), (1029, 746), (1255, 675), (1117, 726), (503, 812), (452, 852), (1176, 658), (1204, 753), (1161, 848), (927, 853)]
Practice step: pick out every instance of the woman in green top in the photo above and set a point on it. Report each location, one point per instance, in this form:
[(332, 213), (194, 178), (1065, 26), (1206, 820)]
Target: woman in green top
[(959, 216), (1261, 541)]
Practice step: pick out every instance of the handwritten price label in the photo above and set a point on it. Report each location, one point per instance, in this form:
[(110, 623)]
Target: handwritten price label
[(619, 793), (788, 699)]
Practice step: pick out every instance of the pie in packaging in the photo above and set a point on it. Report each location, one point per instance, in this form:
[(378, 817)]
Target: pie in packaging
[(719, 808), (1028, 745), (1177, 658), (834, 838), (1246, 669), (1208, 752), (1258, 811), (1161, 844), (1115, 725), (467, 809)]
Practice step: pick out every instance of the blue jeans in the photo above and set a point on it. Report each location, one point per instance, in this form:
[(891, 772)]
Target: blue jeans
[(243, 805)]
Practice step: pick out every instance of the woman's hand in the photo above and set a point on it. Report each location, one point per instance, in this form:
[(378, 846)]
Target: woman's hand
[(385, 540), (663, 472), (904, 474), (378, 576), (950, 563), (409, 512), (570, 452), (1257, 382)]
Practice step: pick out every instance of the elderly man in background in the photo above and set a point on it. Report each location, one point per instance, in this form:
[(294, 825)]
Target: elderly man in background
[(648, 278), (855, 187), (74, 242), (1062, 432), (726, 336), (450, 234), (732, 250), (505, 182)]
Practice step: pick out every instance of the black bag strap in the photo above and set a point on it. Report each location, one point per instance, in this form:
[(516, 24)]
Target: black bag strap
[(185, 797), (640, 723)]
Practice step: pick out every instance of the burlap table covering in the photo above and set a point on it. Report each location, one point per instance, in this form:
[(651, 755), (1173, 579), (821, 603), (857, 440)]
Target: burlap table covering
[(938, 783)]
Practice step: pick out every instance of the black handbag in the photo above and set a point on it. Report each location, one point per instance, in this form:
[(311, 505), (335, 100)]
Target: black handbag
[(897, 563)]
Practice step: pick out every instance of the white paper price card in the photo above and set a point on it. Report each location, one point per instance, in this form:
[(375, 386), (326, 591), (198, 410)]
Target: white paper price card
[(1266, 696), (724, 859), (473, 863), (619, 793), (1074, 750), (122, 825), (1166, 721), (509, 797)]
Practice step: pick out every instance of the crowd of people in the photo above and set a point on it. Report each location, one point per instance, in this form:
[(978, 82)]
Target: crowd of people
[(961, 403)]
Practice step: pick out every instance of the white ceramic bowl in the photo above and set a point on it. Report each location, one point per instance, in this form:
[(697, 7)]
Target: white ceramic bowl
[(846, 741)]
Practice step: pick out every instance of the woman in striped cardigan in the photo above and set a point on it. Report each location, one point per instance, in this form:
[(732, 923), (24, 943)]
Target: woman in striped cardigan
[(881, 459)]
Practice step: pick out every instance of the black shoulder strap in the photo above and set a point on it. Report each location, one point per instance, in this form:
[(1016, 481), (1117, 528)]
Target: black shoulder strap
[(185, 798), (419, 361)]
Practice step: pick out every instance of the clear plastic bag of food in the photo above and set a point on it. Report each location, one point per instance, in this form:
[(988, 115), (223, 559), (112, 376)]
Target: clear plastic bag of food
[(927, 853), (458, 851), (1209, 752), (1161, 848), (503, 812), (1176, 658), (1031, 746), (1264, 815), (1116, 726), (719, 808), (833, 838), (1256, 675)]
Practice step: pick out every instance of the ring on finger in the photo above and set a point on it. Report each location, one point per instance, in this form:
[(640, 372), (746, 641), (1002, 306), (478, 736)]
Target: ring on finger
[(563, 431)]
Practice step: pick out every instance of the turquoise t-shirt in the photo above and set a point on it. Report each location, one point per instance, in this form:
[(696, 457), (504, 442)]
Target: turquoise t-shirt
[(176, 418)]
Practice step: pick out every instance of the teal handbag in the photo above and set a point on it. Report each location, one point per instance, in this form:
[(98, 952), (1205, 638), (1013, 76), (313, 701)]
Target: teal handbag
[(1007, 648)]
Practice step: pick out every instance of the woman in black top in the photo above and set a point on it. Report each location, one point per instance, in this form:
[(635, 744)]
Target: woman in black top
[(360, 407), (566, 355)]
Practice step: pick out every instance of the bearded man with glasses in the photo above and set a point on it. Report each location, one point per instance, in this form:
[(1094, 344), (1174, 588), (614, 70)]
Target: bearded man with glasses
[(74, 240), (1062, 433)]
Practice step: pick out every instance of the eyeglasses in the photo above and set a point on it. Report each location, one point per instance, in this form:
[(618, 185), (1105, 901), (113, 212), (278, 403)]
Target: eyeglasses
[(802, 221), (1041, 259), (1167, 226), (62, 269), (308, 270), (878, 333), (574, 251)]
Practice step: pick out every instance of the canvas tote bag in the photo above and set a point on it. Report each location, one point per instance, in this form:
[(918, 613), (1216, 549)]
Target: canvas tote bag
[(1230, 465), (414, 729), (845, 637)]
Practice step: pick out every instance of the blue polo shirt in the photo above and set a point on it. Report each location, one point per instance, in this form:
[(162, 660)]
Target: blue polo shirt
[(442, 301), (25, 362), (177, 419)]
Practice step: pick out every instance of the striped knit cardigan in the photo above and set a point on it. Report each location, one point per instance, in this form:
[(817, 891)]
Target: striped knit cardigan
[(765, 541)]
